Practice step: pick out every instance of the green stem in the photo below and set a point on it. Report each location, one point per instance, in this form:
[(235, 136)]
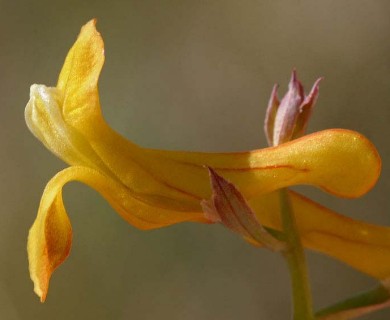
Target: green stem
[(362, 303), (296, 262)]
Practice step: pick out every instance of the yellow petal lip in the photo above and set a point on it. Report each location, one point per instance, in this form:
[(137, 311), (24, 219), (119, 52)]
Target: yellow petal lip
[(155, 188), (50, 237)]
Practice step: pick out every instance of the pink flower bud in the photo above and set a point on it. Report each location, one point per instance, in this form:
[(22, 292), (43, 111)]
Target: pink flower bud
[(287, 120)]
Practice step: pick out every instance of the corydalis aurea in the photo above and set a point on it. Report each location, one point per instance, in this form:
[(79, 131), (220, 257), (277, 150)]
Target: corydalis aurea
[(154, 188)]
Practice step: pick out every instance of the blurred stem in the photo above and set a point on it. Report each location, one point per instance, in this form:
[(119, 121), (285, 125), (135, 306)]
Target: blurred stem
[(363, 303), (296, 261)]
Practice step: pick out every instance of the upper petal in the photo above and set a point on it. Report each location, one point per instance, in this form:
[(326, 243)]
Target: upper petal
[(339, 161), (45, 120), (79, 75), (342, 162)]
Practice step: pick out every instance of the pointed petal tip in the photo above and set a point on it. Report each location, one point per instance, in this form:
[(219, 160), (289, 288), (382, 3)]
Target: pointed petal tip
[(90, 26), (293, 75), (91, 23), (214, 176), (40, 275), (294, 81), (311, 98), (42, 295), (80, 73), (272, 109), (215, 180), (274, 94), (41, 284), (212, 172), (38, 266), (295, 84), (317, 84)]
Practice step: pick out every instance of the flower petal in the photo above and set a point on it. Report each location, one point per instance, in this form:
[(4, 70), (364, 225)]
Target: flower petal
[(321, 229), (322, 159), (153, 188), (180, 175), (79, 75), (50, 237), (305, 111), (270, 115), (364, 246), (45, 120), (288, 111)]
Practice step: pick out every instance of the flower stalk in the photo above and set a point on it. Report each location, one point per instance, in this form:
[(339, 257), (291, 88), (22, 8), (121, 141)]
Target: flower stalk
[(287, 120), (296, 261)]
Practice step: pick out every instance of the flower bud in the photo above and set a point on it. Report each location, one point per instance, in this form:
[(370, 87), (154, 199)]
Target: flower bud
[(287, 120)]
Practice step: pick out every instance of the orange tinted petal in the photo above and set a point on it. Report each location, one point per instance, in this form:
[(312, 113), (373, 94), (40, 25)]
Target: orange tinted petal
[(50, 237)]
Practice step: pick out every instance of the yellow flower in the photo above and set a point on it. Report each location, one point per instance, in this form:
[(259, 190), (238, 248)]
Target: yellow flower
[(155, 188)]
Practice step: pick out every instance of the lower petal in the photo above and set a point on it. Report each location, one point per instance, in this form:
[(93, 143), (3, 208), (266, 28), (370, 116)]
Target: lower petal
[(363, 246), (50, 237)]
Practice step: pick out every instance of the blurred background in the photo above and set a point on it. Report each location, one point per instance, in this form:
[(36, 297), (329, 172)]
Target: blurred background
[(185, 75)]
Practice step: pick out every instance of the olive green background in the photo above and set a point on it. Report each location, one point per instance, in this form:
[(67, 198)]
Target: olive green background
[(191, 75)]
